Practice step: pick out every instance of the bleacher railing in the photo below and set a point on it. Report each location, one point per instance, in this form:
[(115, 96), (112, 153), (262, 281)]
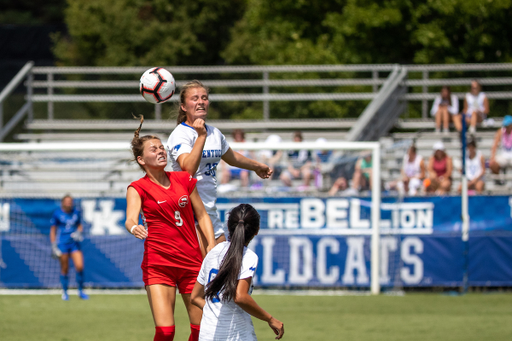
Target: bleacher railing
[(51, 80)]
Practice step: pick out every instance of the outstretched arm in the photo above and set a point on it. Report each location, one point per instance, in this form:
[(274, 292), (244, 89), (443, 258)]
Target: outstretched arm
[(249, 305), (133, 205), (238, 160)]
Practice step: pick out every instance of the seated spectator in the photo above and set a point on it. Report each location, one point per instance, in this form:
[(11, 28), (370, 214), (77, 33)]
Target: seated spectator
[(444, 108), (476, 107), (362, 179), (272, 157), (413, 172), (322, 162), (503, 140), (341, 172), (228, 171), (475, 169), (439, 171), (299, 164)]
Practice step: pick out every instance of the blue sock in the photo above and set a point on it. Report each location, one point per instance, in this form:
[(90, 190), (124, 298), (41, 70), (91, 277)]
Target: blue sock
[(80, 280), (64, 280)]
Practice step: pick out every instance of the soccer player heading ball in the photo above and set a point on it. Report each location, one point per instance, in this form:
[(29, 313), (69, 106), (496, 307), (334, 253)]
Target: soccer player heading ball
[(172, 258), (224, 285), (66, 235), (197, 148)]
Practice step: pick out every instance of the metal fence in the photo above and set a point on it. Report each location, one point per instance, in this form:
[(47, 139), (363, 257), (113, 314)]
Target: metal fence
[(45, 84)]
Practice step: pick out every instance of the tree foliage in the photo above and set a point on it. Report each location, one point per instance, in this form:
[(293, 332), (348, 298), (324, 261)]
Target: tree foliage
[(364, 31), (146, 32)]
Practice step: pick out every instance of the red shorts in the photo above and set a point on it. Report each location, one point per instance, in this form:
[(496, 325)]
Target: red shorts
[(184, 279)]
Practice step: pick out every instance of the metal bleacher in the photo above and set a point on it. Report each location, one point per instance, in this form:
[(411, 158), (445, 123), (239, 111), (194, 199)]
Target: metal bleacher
[(387, 90)]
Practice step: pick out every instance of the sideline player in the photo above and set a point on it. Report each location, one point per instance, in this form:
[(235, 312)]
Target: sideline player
[(65, 235), (172, 258), (197, 148), (227, 273)]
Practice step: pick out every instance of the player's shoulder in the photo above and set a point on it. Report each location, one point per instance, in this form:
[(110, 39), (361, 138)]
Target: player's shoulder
[(250, 255), (180, 176)]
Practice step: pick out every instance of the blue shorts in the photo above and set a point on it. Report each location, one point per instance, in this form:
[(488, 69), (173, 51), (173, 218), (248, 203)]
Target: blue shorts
[(69, 247)]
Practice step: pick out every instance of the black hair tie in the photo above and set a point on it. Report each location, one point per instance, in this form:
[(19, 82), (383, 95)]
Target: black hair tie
[(241, 221)]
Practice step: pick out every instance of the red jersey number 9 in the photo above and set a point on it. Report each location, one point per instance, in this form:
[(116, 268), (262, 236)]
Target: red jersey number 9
[(177, 216)]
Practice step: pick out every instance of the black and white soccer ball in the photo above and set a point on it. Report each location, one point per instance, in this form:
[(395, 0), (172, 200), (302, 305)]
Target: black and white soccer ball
[(157, 85)]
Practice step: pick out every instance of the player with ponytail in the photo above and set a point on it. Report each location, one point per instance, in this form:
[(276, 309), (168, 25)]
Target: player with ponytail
[(224, 285), (168, 202)]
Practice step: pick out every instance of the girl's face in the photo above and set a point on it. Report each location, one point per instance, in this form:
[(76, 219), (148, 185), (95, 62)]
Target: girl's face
[(439, 154), (444, 93), (196, 104), (472, 151), (475, 88), (154, 155)]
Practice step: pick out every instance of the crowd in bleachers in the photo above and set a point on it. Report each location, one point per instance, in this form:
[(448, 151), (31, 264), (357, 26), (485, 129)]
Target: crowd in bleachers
[(351, 173)]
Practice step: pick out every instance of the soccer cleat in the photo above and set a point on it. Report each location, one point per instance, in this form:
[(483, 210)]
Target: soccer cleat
[(65, 296), (83, 295)]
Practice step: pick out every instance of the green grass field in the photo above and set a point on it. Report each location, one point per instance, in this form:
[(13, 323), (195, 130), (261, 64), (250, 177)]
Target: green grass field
[(411, 317)]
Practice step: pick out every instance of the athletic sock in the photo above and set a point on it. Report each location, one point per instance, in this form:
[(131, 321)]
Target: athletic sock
[(64, 280), (194, 332), (164, 333), (80, 280)]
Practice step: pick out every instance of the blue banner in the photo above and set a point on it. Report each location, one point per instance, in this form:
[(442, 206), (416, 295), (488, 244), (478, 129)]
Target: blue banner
[(303, 242)]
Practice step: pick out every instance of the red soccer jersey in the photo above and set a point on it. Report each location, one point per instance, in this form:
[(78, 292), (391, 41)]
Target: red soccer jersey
[(168, 215)]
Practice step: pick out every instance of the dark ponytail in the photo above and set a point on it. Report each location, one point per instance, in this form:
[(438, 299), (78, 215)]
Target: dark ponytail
[(243, 225)]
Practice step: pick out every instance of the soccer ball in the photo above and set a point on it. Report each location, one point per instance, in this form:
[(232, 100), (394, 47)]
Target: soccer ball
[(157, 85)]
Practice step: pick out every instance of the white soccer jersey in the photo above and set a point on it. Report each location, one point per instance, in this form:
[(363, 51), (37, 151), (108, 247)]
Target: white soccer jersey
[(226, 320), (182, 141)]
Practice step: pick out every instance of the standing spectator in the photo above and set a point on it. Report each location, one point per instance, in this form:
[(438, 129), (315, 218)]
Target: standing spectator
[(362, 178), (229, 172), (503, 140), (413, 172), (299, 164), (444, 108), (65, 235), (475, 169), (476, 107), (440, 168)]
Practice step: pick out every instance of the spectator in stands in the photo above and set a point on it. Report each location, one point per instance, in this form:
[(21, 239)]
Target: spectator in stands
[(476, 107), (272, 157), (299, 164), (503, 140), (444, 108), (475, 168), (228, 171), (413, 172), (439, 171), (362, 178), (341, 172)]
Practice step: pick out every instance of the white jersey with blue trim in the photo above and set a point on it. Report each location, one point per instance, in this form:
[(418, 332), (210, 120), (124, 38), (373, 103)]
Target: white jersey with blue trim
[(226, 320), (181, 141)]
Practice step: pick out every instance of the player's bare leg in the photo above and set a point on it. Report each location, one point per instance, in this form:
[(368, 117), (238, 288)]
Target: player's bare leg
[(64, 280), (194, 315), (221, 239), (162, 300), (78, 261)]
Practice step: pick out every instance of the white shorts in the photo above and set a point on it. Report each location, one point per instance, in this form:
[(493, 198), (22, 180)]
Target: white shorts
[(218, 227), (504, 160)]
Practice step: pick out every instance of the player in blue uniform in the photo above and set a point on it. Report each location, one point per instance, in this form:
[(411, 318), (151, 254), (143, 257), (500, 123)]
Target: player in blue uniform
[(66, 235)]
